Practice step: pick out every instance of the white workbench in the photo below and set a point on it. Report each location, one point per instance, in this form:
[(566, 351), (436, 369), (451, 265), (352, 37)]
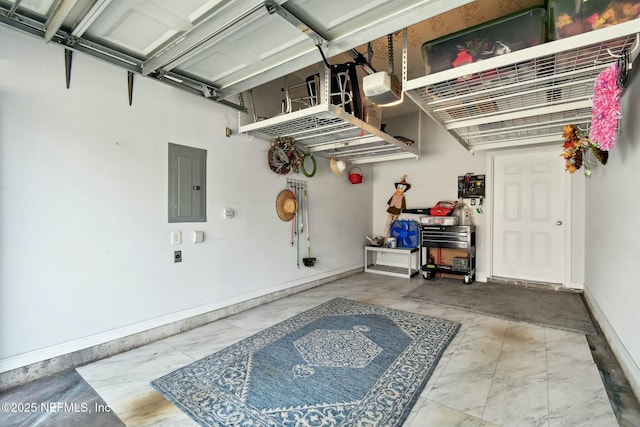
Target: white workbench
[(371, 265)]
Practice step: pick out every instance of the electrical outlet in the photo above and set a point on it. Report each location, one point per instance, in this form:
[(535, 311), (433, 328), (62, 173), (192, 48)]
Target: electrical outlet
[(177, 256)]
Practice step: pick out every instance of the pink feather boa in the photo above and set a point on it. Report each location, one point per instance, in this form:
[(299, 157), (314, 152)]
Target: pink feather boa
[(605, 114)]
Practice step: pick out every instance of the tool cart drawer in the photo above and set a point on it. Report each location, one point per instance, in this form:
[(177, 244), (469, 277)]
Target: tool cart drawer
[(448, 236)]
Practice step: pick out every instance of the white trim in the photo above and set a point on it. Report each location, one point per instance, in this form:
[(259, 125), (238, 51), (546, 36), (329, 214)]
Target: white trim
[(627, 364), (489, 208), (167, 321), (568, 226), (575, 285)]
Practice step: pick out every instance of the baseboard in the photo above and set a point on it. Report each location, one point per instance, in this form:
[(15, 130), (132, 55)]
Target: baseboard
[(575, 285), (628, 365), (27, 367)]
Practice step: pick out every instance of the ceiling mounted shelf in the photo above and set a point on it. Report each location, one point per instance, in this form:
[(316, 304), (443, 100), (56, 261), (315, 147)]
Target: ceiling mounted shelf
[(524, 97), (329, 131)]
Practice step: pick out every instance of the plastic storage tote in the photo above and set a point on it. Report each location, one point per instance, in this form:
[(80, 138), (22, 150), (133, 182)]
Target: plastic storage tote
[(570, 17), (513, 32), (439, 220)]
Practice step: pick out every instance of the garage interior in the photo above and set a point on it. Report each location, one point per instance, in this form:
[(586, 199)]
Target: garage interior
[(94, 90)]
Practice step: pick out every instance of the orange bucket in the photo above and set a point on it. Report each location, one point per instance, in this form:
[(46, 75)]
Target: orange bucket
[(354, 176)]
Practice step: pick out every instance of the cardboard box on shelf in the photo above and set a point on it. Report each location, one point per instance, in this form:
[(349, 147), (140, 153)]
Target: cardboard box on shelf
[(445, 256), (569, 17)]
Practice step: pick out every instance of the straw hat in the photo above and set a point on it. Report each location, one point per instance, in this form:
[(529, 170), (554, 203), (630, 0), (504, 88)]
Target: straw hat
[(286, 205), (337, 166)]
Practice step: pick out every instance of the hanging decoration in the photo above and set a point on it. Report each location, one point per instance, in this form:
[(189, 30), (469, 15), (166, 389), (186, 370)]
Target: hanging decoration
[(313, 163), (578, 151), (591, 147), (284, 156), (396, 203), (624, 67), (606, 116)]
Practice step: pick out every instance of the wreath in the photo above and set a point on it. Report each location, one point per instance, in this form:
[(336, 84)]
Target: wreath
[(284, 156)]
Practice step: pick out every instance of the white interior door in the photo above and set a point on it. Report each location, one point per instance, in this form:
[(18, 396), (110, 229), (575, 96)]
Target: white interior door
[(529, 217)]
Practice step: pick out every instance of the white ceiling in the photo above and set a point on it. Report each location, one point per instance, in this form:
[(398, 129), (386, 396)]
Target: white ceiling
[(221, 49), (217, 47)]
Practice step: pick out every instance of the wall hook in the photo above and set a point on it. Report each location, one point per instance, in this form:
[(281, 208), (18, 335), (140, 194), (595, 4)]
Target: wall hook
[(633, 49)]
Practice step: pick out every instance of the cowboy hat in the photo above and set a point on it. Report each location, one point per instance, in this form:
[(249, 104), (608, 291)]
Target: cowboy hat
[(286, 205), (337, 166)]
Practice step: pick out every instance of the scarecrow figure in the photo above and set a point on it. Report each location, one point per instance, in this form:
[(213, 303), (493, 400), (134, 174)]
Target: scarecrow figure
[(396, 203)]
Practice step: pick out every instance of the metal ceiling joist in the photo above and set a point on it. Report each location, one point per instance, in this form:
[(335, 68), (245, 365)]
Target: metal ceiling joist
[(281, 10), (55, 21), (36, 27), (189, 44), (13, 9), (96, 10), (396, 19)]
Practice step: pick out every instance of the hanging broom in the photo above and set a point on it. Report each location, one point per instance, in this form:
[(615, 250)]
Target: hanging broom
[(309, 261)]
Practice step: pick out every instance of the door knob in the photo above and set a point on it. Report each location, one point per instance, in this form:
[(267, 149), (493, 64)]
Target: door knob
[(558, 222)]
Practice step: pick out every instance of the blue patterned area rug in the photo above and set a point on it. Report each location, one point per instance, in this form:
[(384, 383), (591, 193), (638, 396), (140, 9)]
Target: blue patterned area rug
[(342, 363)]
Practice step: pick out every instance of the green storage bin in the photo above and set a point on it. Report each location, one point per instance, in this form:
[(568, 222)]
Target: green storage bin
[(513, 32)]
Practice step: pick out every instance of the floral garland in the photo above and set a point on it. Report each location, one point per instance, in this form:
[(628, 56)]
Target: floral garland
[(606, 108), (575, 143), (578, 149)]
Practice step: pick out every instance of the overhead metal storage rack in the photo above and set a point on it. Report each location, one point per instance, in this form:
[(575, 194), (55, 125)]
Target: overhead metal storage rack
[(331, 132), (219, 49), (524, 97), (215, 48)]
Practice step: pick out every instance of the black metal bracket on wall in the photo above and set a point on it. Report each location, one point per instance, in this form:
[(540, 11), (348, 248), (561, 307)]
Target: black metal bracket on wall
[(130, 86), (68, 59)]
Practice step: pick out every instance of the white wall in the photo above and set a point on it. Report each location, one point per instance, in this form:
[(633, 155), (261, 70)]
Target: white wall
[(434, 177), (85, 249), (611, 282)]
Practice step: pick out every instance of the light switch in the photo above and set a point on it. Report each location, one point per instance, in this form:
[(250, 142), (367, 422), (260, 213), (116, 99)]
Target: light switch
[(176, 237)]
